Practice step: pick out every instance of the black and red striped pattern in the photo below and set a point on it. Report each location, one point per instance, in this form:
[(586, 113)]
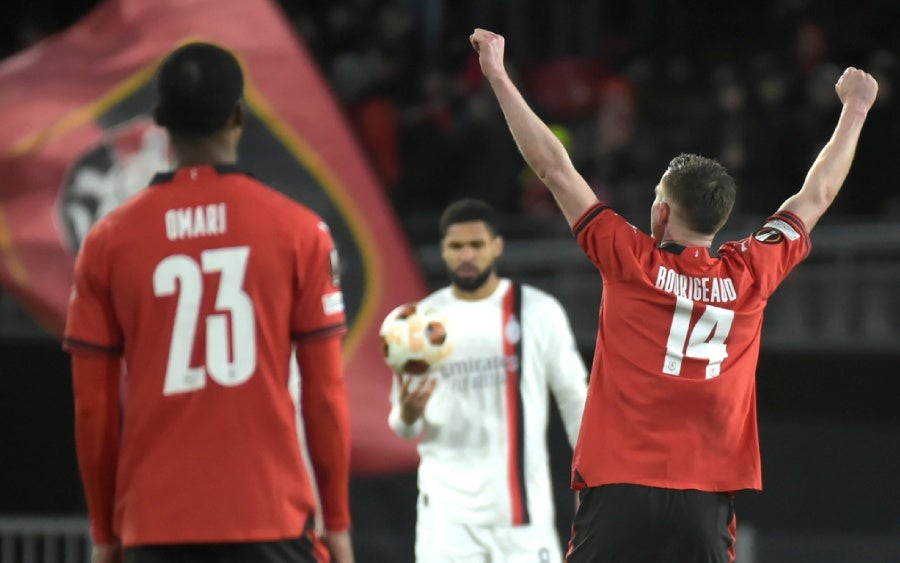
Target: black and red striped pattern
[(512, 351)]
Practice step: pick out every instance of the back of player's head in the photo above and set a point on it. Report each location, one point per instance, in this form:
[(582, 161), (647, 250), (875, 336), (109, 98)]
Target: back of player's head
[(199, 85), (469, 211), (703, 191)]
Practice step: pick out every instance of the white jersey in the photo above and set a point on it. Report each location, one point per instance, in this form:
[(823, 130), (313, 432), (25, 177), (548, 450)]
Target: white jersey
[(484, 458)]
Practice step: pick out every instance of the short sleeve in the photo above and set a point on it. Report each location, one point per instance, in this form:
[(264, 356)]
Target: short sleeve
[(611, 242), (318, 305), (773, 250), (91, 323)]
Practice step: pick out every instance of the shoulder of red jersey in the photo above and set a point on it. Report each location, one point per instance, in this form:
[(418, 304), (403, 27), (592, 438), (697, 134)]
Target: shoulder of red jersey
[(100, 230), (589, 216), (782, 227)]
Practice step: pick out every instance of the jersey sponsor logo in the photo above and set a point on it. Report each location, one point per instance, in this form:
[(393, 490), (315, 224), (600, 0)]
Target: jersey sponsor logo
[(477, 373), (705, 289), (333, 303), (784, 227)]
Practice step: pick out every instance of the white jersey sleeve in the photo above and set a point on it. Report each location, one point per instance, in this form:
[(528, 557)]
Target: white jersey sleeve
[(565, 369)]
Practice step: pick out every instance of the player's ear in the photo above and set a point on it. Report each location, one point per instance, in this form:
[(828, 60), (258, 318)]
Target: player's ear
[(665, 212), (237, 115), (158, 116), (498, 245)]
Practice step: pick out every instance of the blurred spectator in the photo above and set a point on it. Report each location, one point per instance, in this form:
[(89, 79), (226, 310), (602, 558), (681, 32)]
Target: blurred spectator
[(612, 162), (429, 173), (774, 144), (566, 87), (811, 46), (369, 76), (404, 73)]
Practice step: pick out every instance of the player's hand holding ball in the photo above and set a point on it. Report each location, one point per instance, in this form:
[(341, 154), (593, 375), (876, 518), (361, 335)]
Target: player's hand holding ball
[(416, 341)]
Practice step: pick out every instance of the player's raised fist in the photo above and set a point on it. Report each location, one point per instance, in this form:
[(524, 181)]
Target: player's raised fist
[(489, 46), (857, 86)]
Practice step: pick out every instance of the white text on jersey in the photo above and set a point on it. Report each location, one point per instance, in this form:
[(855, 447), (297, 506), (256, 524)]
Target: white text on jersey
[(708, 290), (193, 222), (478, 373)]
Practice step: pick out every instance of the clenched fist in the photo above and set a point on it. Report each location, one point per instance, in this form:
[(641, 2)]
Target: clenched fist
[(857, 88), (489, 46)]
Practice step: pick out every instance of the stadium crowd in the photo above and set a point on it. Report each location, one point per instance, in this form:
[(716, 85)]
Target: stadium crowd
[(624, 85)]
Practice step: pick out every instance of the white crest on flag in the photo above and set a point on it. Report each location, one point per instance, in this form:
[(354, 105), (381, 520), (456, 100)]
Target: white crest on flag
[(94, 189)]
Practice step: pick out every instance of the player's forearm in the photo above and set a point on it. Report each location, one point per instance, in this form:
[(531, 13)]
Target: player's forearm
[(96, 391), (858, 91), (830, 169), (570, 391), (543, 151), (329, 452), (327, 423)]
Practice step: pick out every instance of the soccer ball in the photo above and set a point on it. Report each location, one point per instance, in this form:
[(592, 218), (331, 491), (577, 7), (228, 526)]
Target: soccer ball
[(415, 339)]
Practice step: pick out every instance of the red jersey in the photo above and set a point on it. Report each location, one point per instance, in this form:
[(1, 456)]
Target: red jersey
[(672, 396), (201, 282)]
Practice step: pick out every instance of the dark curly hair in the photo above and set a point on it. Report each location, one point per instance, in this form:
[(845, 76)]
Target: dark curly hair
[(467, 211)]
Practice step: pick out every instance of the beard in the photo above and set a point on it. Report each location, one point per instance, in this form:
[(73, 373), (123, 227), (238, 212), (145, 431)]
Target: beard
[(471, 283)]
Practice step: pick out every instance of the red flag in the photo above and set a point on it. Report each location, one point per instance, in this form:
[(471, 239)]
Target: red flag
[(77, 139)]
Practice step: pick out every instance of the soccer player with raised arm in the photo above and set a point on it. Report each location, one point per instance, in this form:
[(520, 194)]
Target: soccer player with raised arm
[(484, 477), (669, 431), (186, 304)]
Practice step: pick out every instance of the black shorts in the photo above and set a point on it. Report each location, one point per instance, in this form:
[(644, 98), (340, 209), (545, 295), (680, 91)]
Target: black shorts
[(638, 524), (300, 550)]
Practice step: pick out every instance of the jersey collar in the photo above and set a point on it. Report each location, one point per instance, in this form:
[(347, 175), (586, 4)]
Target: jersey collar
[(679, 249), (166, 177)]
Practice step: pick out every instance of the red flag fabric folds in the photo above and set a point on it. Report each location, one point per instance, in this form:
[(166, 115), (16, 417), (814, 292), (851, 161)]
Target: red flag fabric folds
[(77, 140)]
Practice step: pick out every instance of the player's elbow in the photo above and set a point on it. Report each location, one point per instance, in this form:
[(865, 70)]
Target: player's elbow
[(824, 193), (554, 177), (819, 203)]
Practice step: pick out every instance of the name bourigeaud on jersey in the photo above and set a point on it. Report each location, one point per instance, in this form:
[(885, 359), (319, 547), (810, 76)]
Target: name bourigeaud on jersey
[(706, 289), (199, 221)]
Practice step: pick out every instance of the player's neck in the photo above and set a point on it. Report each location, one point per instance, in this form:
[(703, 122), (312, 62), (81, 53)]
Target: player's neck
[(203, 152), (483, 292), (678, 234)]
